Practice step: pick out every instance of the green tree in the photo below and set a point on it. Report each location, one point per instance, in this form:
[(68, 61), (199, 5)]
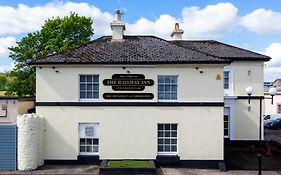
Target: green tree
[(3, 82), (56, 35)]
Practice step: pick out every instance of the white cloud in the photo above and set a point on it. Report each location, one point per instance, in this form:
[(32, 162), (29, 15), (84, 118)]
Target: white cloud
[(6, 68), (262, 21), (274, 51), (27, 19), (209, 22), (6, 42), (272, 68)]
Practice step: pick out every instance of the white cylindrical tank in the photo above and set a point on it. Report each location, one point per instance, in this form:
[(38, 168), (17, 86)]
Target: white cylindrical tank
[(27, 142)]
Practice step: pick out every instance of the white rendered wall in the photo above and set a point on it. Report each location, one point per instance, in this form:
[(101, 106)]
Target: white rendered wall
[(131, 132), (193, 86), (272, 108)]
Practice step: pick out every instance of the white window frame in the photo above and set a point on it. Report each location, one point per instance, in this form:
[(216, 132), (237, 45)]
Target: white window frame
[(168, 153), (229, 91), (168, 100), (88, 99), (96, 136), (229, 119)]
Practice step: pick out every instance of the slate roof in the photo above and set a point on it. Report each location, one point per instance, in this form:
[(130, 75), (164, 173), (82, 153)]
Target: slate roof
[(133, 50), (222, 50)]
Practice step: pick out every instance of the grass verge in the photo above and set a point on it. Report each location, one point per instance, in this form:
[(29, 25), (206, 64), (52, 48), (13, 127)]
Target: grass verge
[(127, 164)]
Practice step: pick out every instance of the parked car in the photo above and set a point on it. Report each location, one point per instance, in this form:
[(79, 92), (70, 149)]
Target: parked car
[(271, 116), (273, 123)]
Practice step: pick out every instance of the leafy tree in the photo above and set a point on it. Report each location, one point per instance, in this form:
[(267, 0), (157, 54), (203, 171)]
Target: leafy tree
[(56, 35), (3, 82)]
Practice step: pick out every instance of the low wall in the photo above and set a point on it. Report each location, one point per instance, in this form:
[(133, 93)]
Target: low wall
[(30, 141)]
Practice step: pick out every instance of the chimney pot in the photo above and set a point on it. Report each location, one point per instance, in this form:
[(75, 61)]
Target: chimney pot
[(177, 33), (117, 27)]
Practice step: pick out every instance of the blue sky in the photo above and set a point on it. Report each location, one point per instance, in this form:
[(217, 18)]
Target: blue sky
[(254, 25)]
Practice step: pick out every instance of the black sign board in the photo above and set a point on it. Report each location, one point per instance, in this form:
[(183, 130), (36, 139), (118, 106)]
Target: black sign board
[(128, 82), (131, 96), (128, 88), (128, 76)]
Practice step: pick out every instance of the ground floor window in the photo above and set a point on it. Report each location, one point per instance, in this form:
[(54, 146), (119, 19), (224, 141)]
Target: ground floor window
[(167, 138), (88, 138), (226, 121)]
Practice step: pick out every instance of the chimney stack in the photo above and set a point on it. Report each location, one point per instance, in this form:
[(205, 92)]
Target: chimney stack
[(177, 33), (117, 27)]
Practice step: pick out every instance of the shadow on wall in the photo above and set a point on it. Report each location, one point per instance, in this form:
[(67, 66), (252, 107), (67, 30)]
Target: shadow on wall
[(57, 146), (247, 118)]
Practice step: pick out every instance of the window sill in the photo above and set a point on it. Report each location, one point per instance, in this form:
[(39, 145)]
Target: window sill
[(88, 100), (167, 101)]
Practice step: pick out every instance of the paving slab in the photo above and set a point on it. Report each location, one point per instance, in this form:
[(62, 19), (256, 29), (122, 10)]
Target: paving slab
[(60, 169), (189, 171)]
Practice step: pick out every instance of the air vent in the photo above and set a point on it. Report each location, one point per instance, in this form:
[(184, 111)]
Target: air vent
[(89, 131)]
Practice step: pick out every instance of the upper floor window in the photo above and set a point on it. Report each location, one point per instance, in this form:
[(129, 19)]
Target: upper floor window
[(227, 81), (167, 87), (89, 87)]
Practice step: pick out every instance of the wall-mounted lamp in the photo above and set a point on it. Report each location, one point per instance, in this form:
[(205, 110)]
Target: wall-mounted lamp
[(249, 91), (53, 67), (272, 91), (249, 72), (40, 67)]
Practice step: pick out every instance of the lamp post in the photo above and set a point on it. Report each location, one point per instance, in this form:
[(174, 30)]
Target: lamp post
[(272, 92)]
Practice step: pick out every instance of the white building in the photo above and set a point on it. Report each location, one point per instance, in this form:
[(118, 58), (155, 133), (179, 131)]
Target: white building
[(143, 97)]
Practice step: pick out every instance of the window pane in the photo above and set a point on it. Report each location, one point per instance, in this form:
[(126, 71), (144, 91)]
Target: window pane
[(89, 149), (82, 95), (160, 134), (95, 141), (167, 96), (161, 96), (82, 87), (90, 87), (167, 79), (82, 148), (96, 95), (225, 132), (167, 126), (174, 96), (161, 88), (174, 148), (174, 79), (167, 134), (160, 79), (167, 148), (82, 78), (160, 148), (95, 149), (96, 78), (174, 134), (89, 95), (89, 78), (82, 141), (160, 141), (174, 126), (95, 87), (167, 141), (89, 141), (174, 87), (160, 126), (174, 141)]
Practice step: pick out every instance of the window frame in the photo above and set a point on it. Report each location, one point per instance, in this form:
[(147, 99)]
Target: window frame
[(228, 91), (79, 90), (168, 100), (170, 144), (229, 117), (96, 126)]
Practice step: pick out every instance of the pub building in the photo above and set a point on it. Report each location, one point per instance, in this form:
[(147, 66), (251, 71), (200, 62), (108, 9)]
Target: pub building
[(147, 98)]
